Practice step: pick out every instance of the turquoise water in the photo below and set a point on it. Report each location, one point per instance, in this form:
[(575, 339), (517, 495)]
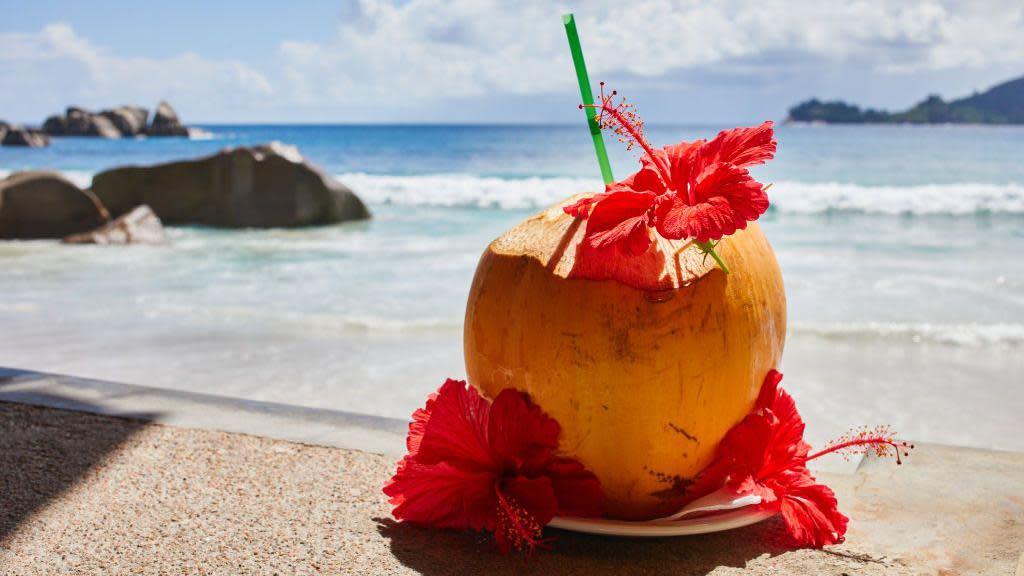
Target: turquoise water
[(900, 246)]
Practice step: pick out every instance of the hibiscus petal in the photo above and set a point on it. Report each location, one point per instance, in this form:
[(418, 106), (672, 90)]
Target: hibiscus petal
[(577, 490), (650, 177), (620, 219), (682, 160), (811, 512), (725, 198), (733, 183), (708, 220), (451, 427), (520, 435), (741, 146), (748, 485), (769, 390), (630, 235), (787, 447), (748, 445), (443, 495), (535, 495), (581, 208)]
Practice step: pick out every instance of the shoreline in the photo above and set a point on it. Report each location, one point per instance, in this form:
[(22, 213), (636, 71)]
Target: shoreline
[(927, 391)]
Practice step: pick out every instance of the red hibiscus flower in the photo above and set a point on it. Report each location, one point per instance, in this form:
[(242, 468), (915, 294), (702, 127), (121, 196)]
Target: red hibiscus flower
[(619, 218), (489, 467), (765, 455), (700, 190)]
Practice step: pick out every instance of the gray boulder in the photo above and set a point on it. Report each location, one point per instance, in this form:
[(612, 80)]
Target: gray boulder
[(44, 205), (128, 120), (81, 122), (139, 226), (102, 127), (165, 122), (21, 136), (3, 130), (56, 125), (263, 187), (77, 121)]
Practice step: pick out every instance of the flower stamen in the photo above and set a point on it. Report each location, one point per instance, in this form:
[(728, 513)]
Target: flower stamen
[(880, 440), (622, 118), (517, 526)]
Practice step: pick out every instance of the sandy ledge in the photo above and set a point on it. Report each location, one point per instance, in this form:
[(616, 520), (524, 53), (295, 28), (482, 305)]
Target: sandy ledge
[(89, 494)]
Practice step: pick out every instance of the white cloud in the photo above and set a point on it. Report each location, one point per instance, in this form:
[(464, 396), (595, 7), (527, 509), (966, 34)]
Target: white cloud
[(56, 67), (426, 49), (393, 59)]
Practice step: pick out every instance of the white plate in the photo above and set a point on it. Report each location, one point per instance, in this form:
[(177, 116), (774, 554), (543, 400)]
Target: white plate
[(656, 528), (728, 510)]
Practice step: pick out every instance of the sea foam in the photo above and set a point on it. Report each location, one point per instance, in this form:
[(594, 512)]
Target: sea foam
[(971, 335), (81, 178), (787, 197), (949, 199), (468, 191)]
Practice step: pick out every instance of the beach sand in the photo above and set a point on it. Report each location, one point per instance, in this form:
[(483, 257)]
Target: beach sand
[(88, 494)]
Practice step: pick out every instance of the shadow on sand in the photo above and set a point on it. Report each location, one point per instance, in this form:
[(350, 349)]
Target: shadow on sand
[(45, 452), (436, 552)]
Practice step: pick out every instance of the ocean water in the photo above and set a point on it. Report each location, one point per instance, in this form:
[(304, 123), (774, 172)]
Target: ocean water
[(902, 250)]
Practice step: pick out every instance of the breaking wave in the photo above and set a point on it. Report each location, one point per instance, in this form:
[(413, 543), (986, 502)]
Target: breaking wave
[(788, 197), (961, 335), (468, 191), (81, 178)]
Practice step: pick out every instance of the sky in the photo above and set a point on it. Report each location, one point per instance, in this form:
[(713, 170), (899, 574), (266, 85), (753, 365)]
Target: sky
[(318, 61)]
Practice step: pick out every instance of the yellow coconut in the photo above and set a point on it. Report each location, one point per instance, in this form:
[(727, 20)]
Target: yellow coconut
[(644, 382)]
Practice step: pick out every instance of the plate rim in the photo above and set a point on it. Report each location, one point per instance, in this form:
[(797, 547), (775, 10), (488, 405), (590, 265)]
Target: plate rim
[(661, 528)]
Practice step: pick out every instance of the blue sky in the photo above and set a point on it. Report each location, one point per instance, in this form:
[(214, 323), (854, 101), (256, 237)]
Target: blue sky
[(482, 61)]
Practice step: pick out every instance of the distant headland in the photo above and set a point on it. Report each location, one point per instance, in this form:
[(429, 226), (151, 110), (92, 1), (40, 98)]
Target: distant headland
[(1001, 104)]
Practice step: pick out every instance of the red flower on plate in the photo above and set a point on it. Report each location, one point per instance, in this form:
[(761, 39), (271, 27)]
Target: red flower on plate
[(765, 454), (700, 190), (490, 467)]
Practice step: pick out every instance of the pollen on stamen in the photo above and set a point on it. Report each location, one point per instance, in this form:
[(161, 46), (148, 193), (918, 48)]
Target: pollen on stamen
[(880, 440), (621, 118), (517, 526)]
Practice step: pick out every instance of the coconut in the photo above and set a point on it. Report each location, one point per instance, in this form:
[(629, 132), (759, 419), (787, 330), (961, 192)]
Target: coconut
[(645, 370)]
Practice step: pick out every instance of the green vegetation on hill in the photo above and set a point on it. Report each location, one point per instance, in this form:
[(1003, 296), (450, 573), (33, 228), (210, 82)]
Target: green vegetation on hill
[(1002, 104)]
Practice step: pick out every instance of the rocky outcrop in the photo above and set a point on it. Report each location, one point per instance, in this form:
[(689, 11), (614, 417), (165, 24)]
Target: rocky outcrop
[(116, 122), (3, 130), (21, 136), (128, 120), (102, 127), (80, 122), (165, 122), (262, 186), (139, 226), (44, 205), (56, 125)]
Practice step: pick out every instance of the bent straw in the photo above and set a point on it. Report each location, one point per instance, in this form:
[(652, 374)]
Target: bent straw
[(588, 98)]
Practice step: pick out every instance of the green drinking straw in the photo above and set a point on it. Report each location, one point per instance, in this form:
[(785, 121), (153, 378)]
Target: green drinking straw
[(588, 98), (595, 128)]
